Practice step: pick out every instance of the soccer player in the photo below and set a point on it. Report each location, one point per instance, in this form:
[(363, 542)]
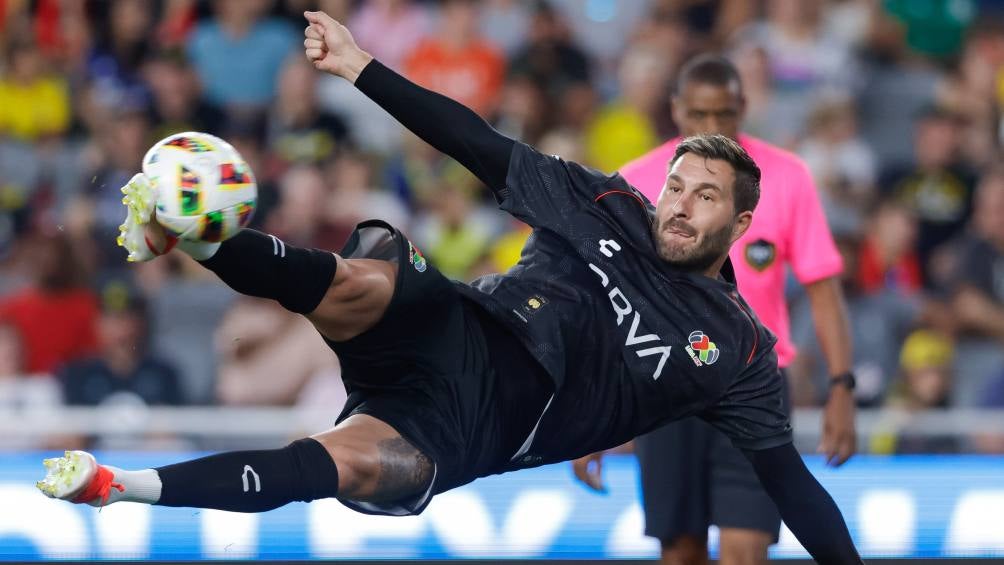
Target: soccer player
[(615, 321), (691, 475)]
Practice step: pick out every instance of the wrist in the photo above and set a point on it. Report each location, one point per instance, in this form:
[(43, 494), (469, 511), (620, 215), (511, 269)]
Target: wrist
[(354, 64), (843, 382)]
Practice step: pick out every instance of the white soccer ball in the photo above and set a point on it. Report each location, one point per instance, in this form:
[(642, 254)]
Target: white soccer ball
[(205, 190)]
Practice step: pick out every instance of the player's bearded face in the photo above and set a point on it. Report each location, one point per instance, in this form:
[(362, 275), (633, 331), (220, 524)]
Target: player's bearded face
[(695, 216), (695, 252)]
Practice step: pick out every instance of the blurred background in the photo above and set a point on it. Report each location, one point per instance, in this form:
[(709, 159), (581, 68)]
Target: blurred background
[(896, 106)]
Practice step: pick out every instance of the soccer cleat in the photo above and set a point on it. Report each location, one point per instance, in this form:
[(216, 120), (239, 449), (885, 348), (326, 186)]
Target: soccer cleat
[(77, 477), (140, 199)]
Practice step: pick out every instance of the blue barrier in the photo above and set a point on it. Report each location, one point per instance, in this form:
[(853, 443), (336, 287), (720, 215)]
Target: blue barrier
[(918, 506)]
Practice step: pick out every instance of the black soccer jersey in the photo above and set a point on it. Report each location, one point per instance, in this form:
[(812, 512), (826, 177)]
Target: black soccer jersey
[(629, 341)]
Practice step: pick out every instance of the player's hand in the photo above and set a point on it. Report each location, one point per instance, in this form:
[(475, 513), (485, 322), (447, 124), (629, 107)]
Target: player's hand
[(589, 470), (331, 48), (839, 437)]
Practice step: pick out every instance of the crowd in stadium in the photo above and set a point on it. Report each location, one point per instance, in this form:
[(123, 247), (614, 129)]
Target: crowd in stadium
[(895, 106)]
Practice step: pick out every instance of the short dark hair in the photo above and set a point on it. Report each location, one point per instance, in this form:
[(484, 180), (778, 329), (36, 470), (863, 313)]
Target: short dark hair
[(746, 189), (708, 69)]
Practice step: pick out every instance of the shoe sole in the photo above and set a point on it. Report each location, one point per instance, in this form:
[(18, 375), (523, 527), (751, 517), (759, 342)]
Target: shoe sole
[(67, 476), (139, 201)]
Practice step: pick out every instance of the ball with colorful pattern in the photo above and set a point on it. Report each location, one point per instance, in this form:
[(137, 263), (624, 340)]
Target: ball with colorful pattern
[(205, 189)]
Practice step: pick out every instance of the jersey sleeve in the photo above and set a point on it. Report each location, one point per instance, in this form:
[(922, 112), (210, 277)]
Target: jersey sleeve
[(542, 190), (812, 253), (752, 412)]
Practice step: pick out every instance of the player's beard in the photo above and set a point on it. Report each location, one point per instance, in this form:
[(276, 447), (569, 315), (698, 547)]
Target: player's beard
[(696, 258)]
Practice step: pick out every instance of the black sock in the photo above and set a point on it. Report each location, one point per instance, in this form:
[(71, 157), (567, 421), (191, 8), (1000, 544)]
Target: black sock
[(262, 265), (251, 481)]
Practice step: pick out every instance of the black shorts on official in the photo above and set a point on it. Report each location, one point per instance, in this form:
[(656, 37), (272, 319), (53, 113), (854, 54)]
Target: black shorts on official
[(692, 476), (427, 370)]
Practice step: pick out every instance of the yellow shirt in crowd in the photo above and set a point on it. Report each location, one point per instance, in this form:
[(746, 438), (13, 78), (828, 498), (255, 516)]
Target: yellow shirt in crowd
[(30, 111)]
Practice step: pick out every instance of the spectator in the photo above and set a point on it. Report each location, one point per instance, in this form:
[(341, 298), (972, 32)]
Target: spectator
[(56, 317), (186, 304), (302, 215), (879, 320), (457, 61), (978, 299), (991, 441), (504, 23), (936, 30), (602, 29), (972, 89), (298, 130), (754, 70), (34, 104), (123, 366), (124, 42), (175, 23), (936, 186), (453, 236), (550, 58), (238, 54), (551, 74), (524, 111), (887, 257), (803, 62), (841, 162), (118, 155), (623, 129), (176, 104), (925, 384), (355, 197), (389, 29), (895, 87), (257, 341), (22, 392)]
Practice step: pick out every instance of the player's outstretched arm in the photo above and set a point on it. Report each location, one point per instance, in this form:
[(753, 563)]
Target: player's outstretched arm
[(805, 506), (447, 125)]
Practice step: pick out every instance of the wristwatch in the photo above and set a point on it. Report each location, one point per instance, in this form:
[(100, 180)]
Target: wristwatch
[(847, 379)]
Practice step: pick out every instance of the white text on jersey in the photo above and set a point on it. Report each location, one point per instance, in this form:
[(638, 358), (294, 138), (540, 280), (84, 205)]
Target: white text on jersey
[(622, 307)]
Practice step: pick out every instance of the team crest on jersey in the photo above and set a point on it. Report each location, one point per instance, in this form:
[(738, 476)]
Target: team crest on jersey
[(534, 304), (416, 258), (760, 254), (702, 350)]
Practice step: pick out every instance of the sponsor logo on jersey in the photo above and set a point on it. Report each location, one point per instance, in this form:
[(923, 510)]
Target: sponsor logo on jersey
[(702, 350), (533, 304), (416, 258), (642, 345), (760, 254)]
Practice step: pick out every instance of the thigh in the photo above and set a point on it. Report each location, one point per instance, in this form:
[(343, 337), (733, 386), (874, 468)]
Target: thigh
[(432, 416), (673, 461), (421, 325), (374, 461)]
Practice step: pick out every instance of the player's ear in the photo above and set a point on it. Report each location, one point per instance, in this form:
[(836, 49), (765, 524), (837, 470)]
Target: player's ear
[(742, 223)]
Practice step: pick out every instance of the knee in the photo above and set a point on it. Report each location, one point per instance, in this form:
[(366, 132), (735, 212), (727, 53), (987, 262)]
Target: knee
[(358, 469), (744, 548), (685, 550)]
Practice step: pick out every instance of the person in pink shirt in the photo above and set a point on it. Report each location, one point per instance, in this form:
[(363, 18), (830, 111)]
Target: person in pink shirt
[(691, 475)]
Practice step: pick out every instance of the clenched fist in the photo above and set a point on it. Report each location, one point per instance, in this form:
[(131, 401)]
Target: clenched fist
[(331, 48)]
